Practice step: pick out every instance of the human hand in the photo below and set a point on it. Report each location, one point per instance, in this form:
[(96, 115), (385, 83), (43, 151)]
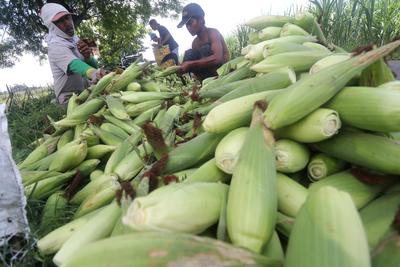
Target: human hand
[(97, 75), (84, 49), (184, 67)]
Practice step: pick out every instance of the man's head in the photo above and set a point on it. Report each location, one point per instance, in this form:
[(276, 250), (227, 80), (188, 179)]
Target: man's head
[(55, 14), (193, 18), (153, 24)]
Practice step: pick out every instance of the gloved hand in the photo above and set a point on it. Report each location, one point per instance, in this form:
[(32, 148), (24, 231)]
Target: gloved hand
[(97, 75)]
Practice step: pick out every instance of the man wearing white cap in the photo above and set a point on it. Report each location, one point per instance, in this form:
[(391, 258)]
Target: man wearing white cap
[(71, 60)]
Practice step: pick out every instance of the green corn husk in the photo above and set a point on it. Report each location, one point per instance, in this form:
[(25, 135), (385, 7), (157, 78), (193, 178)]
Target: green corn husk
[(132, 163), (40, 152), (183, 175), (93, 186), (316, 46), (270, 81), (321, 166), (129, 75), (374, 110), (68, 157), (197, 150), (376, 74), (268, 33), (360, 192), (30, 177), (168, 71), (394, 85), (262, 22), (84, 94), (313, 91), (86, 167), (86, 109), (146, 115), (115, 130), (52, 242), (116, 108), (308, 22), (292, 29), (378, 217), (79, 129), (53, 211), (152, 86), (98, 227), (106, 137), (254, 38), (130, 129), (235, 113), (134, 87), (182, 249), (169, 119), (252, 198), (290, 156), (279, 48), (99, 151), (291, 195), (284, 224), (208, 172), (152, 213), (319, 125), (236, 75), (387, 254), (328, 232), (121, 151), (101, 85), (72, 103), (65, 138), (227, 151), (139, 97), (41, 165), (371, 151), (137, 109), (96, 174), (298, 61), (273, 249), (98, 199), (45, 188)]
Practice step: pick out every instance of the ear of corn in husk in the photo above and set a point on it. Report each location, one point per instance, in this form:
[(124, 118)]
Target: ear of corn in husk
[(376, 74), (262, 22), (130, 129), (291, 195), (317, 46), (72, 103), (54, 209), (378, 217), (40, 152), (322, 165), (152, 213), (197, 150), (186, 250), (96, 228), (133, 86), (387, 254), (116, 108), (65, 138), (68, 157), (290, 156), (319, 125), (361, 193), (284, 224), (115, 130), (375, 152), (227, 151), (298, 61), (292, 29), (328, 232), (311, 92), (235, 113), (208, 172), (273, 249), (252, 198), (101, 85), (269, 33), (99, 151), (368, 108), (106, 137), (132, 163), (279, 48)]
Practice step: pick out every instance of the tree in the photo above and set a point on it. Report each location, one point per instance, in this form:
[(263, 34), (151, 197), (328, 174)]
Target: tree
[(117, 26)]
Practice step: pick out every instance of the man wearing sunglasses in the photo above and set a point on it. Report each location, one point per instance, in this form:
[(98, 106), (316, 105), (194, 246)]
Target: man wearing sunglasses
[(71, 59), (209, 50)]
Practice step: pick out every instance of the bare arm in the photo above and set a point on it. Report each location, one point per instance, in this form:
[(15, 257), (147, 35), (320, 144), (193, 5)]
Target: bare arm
[(163, 41)]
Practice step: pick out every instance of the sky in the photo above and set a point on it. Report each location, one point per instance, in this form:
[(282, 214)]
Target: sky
[(223, 15)]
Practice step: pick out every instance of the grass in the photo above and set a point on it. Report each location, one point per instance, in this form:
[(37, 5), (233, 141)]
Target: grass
[(27, 118)]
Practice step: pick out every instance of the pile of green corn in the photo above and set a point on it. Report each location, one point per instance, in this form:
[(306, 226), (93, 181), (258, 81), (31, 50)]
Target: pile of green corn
[(289, 158)]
